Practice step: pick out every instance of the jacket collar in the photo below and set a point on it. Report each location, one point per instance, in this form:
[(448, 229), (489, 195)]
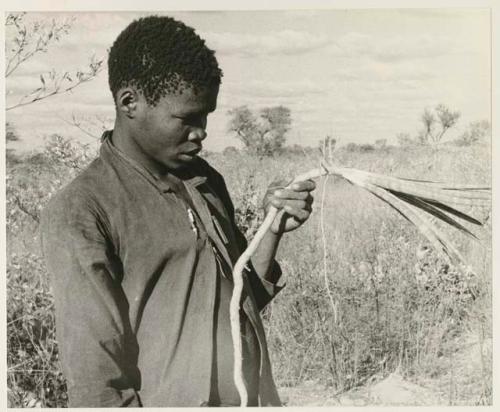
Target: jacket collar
[(108, 151)]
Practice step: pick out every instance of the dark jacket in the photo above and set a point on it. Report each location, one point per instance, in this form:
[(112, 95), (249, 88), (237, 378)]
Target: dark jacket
[(134, 284)]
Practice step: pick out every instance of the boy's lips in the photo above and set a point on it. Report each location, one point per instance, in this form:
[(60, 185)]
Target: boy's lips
[(193, 152)]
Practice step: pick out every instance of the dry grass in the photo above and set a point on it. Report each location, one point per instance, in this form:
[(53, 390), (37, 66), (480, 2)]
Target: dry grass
[(399, 303), (400, 306)]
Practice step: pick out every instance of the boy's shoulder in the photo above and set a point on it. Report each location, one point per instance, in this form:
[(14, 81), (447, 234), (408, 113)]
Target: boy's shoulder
[(81, 191)]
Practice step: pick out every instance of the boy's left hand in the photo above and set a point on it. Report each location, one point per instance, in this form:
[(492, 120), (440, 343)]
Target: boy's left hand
[(294, 204)]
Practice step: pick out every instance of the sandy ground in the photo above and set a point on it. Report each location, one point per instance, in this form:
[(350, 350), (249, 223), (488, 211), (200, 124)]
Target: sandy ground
[(391, 391), (463, 384)]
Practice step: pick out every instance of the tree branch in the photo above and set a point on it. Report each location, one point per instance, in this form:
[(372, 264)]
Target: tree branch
[(23, 208), (95, 69)]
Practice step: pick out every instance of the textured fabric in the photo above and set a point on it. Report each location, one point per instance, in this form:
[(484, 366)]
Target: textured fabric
[(135, 285)]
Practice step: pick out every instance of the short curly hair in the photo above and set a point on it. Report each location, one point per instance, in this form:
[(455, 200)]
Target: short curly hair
[(160, 55)]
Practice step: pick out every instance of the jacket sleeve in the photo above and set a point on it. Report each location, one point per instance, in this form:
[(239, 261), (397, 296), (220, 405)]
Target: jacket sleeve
[(97, 348), (263, 290)]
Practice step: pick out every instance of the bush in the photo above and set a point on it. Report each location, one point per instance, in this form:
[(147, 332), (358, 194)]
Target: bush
[(476, 132), (359, 148), (33, 375)]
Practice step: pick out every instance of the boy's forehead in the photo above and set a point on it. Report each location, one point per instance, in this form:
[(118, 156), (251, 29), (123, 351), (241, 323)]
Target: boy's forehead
[(194, 98)]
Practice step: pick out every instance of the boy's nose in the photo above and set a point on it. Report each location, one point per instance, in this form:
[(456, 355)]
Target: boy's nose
[(197, 134)]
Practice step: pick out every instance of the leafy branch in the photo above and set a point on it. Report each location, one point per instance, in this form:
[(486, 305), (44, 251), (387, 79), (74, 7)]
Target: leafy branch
[(30, 39), (90, 126)]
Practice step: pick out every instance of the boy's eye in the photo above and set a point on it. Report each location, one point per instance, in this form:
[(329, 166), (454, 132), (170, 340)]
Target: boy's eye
[(192, 120), (185, 119)]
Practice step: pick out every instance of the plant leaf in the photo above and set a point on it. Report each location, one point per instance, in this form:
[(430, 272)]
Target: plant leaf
[(437, 238), (429, 208)]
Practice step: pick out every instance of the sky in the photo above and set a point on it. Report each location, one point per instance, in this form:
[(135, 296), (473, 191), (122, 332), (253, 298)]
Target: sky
[(356, 75)]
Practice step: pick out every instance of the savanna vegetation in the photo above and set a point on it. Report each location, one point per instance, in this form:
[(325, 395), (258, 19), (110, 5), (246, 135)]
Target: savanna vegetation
[(365, 294), (398, 305)]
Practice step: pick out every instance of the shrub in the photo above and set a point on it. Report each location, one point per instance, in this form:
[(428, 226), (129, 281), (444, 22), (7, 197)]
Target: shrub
[(476, 132)]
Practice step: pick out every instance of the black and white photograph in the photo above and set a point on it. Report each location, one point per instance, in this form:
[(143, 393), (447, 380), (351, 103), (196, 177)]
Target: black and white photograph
[(221, 207)]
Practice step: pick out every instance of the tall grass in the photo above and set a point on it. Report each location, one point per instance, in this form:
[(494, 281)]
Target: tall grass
[(400, 306)]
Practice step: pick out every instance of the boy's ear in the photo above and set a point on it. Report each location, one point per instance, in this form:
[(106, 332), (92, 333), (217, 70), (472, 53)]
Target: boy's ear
[(127, 101)]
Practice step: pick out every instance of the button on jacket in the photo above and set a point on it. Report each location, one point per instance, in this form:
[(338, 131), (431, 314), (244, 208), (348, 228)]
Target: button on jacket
[(134, 271)]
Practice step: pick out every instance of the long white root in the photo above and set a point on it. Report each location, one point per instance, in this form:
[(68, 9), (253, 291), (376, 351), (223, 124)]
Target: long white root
[(234, 307), (415, 200)]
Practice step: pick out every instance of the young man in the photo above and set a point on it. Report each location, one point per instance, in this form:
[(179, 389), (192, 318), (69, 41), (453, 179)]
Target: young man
[(141, 245)]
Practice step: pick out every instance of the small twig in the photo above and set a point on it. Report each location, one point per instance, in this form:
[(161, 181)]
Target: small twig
[(20, 318), (74, 122), (57, 90), (325, 253), (19, 203)]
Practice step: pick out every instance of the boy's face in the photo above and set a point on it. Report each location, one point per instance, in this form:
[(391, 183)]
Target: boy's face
[(172, 131)]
